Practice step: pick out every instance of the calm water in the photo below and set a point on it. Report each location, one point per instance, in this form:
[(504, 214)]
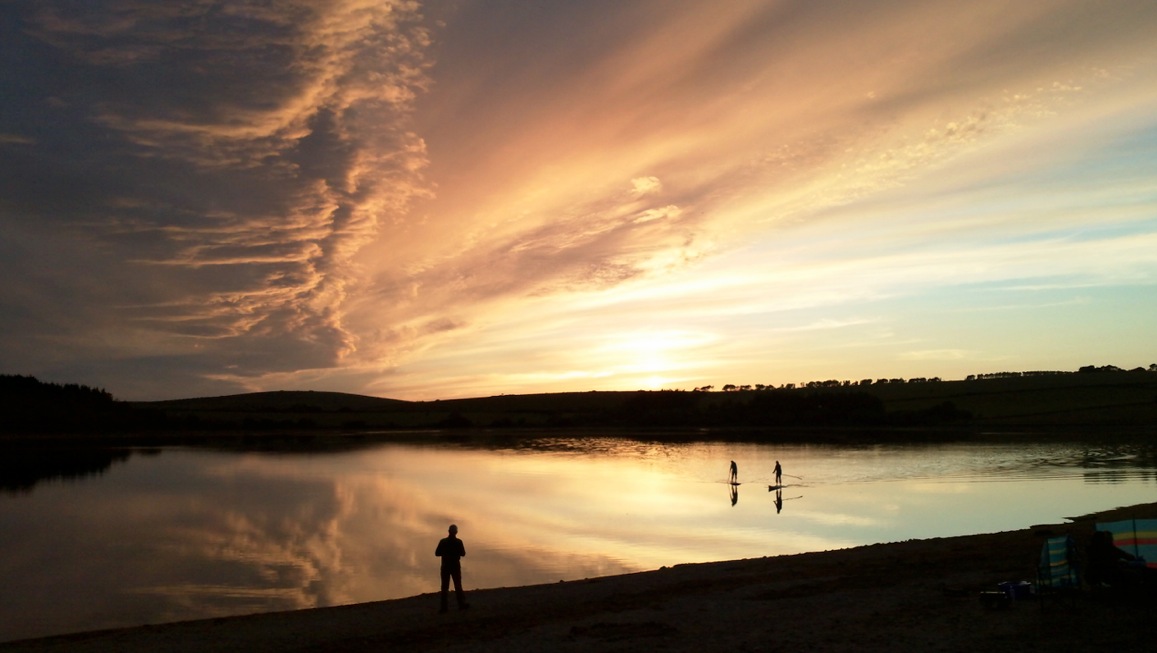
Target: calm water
[(182, 533)]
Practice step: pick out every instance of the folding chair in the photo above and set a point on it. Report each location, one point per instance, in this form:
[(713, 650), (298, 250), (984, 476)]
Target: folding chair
[(1057, 573)]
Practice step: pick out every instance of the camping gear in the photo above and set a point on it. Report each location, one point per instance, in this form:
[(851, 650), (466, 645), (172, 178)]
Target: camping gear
[(1017, 591), (995, 600), (1135, 536), (1057, 569)]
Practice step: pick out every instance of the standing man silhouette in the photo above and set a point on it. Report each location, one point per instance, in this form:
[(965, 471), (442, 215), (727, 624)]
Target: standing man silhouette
[(451, 551), (734, 473), (778, 474)]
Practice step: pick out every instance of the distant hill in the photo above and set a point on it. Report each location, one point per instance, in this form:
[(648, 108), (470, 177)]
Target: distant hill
[(1087, 398), (310, 409), (1109, 399), (280, 400), (1097, 399)]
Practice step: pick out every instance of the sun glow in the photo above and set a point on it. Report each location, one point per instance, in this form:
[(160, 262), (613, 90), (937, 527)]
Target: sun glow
[(408, 206), (652, 359)]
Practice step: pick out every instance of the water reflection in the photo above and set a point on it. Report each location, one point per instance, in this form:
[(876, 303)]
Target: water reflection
[(192, 533), (22, 468)]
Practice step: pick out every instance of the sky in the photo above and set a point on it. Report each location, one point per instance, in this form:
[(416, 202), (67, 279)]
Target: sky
[(470, 198)]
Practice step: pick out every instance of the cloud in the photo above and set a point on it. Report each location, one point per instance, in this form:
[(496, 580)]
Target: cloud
[(646, 186), (937, 354), (16, 139), (372, 194), (224, 161)]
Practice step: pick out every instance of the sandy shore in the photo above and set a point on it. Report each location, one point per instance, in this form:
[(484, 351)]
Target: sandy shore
[(920, 595)]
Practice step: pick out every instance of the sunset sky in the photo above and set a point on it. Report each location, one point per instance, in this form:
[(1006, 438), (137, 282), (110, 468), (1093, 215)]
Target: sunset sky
[(467, 198)]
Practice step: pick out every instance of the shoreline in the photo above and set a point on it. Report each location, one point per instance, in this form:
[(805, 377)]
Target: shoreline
[(916, 594), (327, 438)]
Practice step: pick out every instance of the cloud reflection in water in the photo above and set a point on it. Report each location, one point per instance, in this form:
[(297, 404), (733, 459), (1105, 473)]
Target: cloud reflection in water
[(190, 534)]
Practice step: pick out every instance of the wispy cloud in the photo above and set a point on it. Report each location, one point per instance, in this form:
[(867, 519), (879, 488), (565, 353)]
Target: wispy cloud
[(242, 153), (16, 139), (475, 197)]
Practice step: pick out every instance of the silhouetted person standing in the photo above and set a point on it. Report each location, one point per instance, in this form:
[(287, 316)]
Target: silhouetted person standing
[(778, 474), (734, 472), (451, 551)]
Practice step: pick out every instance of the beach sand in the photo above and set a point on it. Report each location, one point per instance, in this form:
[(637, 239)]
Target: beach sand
[(920, 595)]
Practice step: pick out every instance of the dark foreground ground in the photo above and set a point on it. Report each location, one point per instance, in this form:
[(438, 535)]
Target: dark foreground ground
[(907, 596)]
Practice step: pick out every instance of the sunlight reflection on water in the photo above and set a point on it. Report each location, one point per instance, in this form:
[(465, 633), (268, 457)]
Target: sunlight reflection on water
[(195, 533)]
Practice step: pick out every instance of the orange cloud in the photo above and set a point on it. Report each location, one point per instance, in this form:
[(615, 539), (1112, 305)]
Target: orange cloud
[(474, 198)]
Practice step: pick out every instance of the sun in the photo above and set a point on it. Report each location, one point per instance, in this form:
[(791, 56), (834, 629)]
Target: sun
[(654, 382), (651, 358)]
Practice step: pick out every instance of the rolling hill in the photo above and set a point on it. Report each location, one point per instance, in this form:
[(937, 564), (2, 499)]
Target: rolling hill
[(1100, 399)]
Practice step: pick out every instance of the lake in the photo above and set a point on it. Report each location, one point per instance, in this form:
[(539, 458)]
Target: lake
[(171, 534)]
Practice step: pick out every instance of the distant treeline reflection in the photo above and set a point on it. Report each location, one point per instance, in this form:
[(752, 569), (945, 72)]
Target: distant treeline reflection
[(22, 469)]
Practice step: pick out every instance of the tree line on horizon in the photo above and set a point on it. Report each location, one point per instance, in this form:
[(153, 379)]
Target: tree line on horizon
[(777, 408), (31, 406), (28, 405), (834, 383)]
